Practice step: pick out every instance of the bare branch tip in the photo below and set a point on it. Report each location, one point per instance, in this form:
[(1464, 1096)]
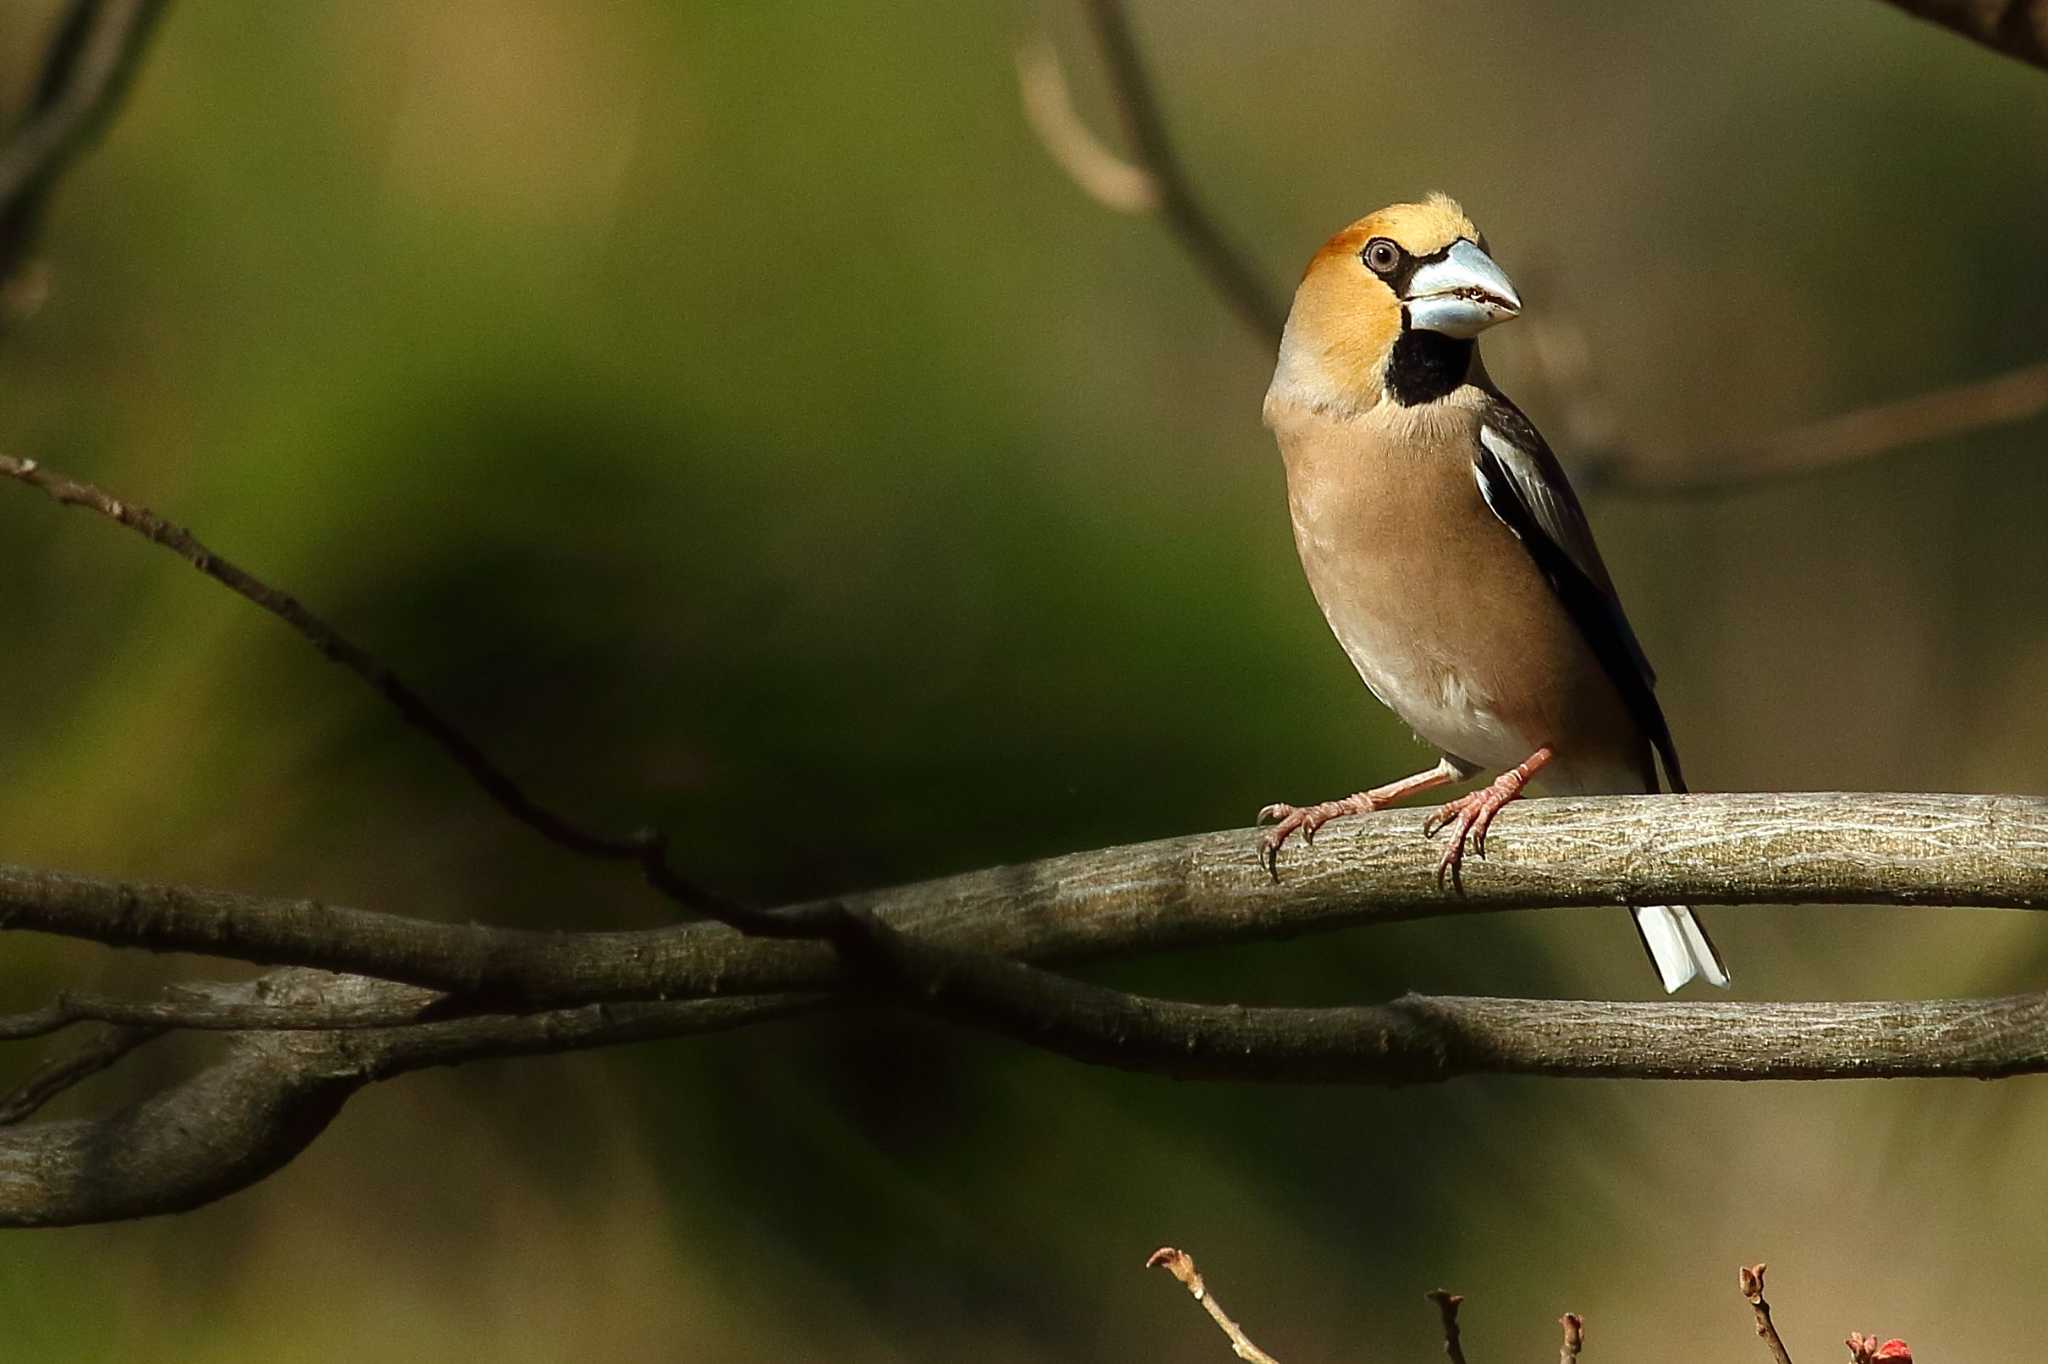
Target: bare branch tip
[(1574, 1327), (1048, 105), (1182, 1266), (1751, 1280), (1447, 1304)]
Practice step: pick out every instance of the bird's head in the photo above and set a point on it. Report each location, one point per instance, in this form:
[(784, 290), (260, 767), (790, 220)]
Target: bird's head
[(1389, 307)]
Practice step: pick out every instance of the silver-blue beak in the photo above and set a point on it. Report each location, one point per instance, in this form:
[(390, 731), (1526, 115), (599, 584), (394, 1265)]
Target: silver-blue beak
[(1461, 295)]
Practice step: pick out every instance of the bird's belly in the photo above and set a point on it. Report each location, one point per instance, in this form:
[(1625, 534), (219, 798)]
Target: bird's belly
[(1448, 620), (1448, 707)]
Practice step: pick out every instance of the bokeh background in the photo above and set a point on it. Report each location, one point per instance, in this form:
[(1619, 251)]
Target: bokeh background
[(729, 411)]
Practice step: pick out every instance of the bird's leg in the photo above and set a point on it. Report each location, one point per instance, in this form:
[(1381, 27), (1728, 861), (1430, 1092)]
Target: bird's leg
[(1471, 814), (1309, 818)]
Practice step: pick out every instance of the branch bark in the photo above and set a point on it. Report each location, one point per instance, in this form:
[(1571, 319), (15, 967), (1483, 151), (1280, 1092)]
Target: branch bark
[(1792, 848), (275, 1090), (273, 1093)]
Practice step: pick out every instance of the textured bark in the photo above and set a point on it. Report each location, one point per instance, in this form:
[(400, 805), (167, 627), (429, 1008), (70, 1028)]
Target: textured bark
[(958, 948), (1709, 849), (251, 1113)]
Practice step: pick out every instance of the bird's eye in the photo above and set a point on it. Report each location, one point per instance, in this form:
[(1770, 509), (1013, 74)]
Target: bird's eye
[(1381, 256)]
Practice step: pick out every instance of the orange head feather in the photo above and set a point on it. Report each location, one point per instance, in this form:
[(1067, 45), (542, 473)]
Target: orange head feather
[(1346, 318)]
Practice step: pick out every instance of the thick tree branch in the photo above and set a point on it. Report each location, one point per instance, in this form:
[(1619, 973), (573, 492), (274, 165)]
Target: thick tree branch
[(274, 1091), (1419, 1038), (1788, 848)]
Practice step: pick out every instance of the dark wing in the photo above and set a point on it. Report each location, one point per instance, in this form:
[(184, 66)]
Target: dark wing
[(1525, 486)]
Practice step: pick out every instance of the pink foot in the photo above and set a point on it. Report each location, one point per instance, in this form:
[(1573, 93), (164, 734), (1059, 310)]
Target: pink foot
[(1471, 815), (1306, 819)]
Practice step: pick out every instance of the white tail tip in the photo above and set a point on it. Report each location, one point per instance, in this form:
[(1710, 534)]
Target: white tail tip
[(1678, 946)]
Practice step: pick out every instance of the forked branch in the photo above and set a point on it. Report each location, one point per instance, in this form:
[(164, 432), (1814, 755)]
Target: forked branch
[(1155, 181), (86, 68)]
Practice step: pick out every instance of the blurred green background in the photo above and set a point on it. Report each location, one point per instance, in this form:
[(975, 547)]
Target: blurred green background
[(731, 414)]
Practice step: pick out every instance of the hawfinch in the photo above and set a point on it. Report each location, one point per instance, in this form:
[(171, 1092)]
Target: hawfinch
[(1448, 552)]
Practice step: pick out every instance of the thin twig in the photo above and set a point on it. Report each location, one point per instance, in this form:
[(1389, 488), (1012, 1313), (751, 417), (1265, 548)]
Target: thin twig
[(647, 848), (1574, 1337), (1561, 365), (1182, 1266), (1752, 1278), (1202, 890), (1104, 176), (273, 1093), (1178, 205), (60, 1073), (1603, 462), (1866, 432), (1447, 1304), (2017, 28)]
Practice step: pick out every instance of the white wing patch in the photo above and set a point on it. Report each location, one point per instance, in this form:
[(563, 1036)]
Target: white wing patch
[(1496, 447)]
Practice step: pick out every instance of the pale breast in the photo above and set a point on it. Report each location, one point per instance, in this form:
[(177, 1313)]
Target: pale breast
[(1442, 611)]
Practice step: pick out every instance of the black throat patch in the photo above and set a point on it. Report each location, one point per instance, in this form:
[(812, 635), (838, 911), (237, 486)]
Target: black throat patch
[(1426, 365)]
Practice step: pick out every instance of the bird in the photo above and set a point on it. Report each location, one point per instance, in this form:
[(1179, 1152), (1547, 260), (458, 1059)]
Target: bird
[(1449, 554)]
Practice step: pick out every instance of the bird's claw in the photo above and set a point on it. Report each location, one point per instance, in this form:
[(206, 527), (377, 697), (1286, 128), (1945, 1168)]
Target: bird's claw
[(1291, 818), (1468, 817), (1302, 819)]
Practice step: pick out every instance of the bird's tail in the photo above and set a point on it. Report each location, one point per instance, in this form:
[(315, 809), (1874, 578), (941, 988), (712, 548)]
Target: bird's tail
[(1679, 948)]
